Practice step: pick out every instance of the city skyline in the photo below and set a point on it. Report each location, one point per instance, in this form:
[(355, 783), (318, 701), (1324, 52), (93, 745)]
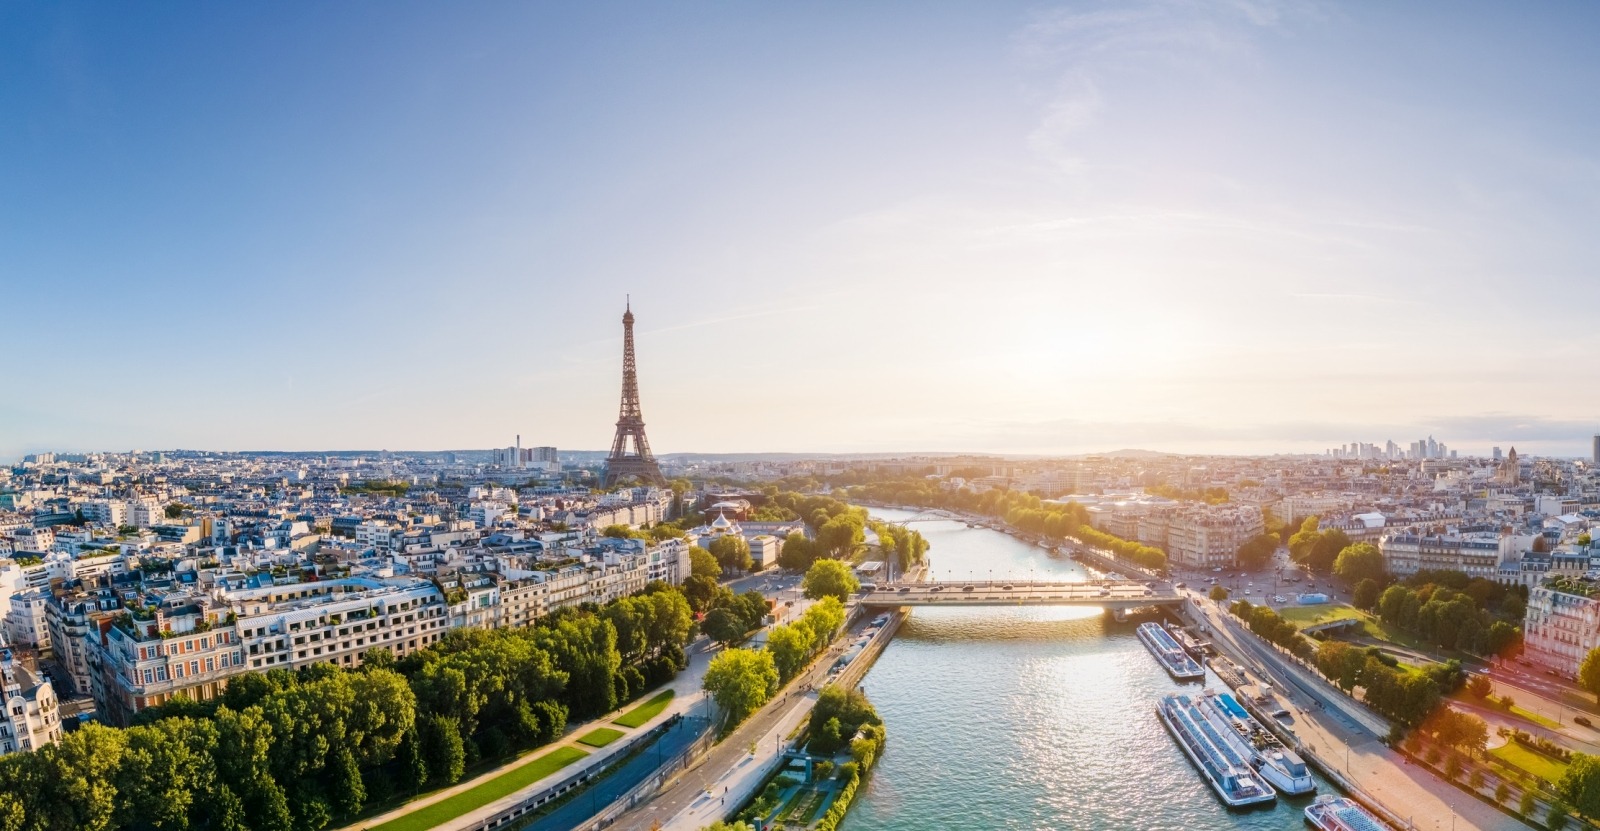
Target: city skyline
[(1231, 228)]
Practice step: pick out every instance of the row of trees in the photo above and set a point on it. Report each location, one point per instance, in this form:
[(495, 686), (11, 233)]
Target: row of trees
[(741, 680), (1272, 628), (282, 751)]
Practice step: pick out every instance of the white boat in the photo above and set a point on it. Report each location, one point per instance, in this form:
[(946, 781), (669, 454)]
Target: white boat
[(1335, 813), (1224, 769), (1169, 654), (1283, 769)]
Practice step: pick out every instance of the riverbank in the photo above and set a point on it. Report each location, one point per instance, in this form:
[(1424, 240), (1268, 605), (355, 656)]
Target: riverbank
[(1342, 739)]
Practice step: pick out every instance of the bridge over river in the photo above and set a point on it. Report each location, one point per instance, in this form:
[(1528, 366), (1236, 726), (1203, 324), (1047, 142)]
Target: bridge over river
[(1114, 595)]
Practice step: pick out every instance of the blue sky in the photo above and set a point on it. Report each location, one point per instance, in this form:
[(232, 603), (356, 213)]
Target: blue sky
[(1188, 226)]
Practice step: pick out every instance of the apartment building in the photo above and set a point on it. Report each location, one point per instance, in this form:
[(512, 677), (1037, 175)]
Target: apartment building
[(32, 716), (1204, 536), (191, 645), (1476, 554), (1562, 625)]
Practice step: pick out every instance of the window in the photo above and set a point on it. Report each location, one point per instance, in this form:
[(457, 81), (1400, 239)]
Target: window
[(161, 673), (149, 677)]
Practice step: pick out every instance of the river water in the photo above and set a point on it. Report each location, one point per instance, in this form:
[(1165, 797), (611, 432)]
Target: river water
[(1037, 718)]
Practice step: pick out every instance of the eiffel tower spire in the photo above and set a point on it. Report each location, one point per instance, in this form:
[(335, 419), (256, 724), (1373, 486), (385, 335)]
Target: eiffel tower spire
[(639, 464)]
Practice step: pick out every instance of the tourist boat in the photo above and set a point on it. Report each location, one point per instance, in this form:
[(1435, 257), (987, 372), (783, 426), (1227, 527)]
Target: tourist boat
[(1336, 813), (1224, 769), (1171, 656), (1281, 767)]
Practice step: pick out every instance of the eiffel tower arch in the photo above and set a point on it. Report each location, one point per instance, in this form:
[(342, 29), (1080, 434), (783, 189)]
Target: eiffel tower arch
[(636, 463)]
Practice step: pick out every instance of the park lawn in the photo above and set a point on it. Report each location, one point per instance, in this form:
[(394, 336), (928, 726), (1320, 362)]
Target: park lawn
[(1319, 613), (646, 711), (473, 798), (1537, 764), (600, 737)]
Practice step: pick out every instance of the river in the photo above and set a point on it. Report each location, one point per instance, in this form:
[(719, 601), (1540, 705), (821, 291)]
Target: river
[(1039, 718)]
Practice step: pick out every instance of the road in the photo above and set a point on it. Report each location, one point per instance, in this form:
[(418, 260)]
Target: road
[(1121, 593)]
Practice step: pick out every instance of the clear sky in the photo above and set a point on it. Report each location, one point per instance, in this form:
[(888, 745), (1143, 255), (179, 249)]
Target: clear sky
[(1210, 227)]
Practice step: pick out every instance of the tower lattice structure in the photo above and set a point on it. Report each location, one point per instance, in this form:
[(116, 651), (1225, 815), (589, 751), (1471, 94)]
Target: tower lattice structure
[(638, 463)]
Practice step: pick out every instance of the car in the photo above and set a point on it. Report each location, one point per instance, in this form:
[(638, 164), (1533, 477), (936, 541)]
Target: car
[(968, 588), (1583, 720), (1007, 587), (1150, 585), (903, 590), (1180, 585), (937, 589), (1103, 593), (1217, 570), (1148, 592), (868, 588), (1278, 598)]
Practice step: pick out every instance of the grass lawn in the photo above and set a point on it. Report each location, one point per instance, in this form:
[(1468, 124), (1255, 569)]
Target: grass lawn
[(1537, 764), (600, 737), (503, 785), (1517, 709), (646, 711), (1319, 613)]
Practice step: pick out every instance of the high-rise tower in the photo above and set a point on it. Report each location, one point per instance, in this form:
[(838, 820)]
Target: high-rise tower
[(637, 464)]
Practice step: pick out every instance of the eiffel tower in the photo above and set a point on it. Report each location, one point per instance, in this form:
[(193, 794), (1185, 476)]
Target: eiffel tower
[(639, 464)]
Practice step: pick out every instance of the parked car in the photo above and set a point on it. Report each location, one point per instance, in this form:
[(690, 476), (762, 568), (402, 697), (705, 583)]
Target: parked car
[(904, 589), (1180, 585), (967, 588), (937, 589), (1583, 720)]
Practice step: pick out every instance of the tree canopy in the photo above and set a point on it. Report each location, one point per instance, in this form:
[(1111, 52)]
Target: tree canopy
[(830, 578), (740, 681)]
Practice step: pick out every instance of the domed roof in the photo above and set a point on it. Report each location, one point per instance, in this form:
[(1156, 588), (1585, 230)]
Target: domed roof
[(721, 521)]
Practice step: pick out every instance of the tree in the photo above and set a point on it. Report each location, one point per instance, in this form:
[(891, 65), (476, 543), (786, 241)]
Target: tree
[(174, 510), (700, 591), (1526, 805), (840, 535), (1479, 687), (724, 625), (1589, 672), (731, 552), (797, 552), (790, 645), (830, 578), (1366, 594), (1326, 549), (1580, 785), (1218, 593), (1361, 561), (703, 564), (444, 750), (622, 532), (740, 681), (1556, 818), (1257, 551)]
